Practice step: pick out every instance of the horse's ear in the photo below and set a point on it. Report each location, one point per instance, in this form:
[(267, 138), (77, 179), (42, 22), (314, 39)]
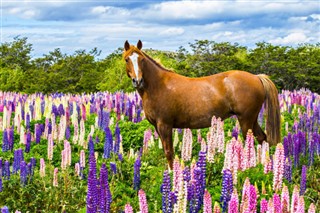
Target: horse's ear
[(126, 45), (139, 45)]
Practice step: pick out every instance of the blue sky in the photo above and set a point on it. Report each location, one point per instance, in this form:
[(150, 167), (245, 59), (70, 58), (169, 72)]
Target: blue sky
[(165, 25)]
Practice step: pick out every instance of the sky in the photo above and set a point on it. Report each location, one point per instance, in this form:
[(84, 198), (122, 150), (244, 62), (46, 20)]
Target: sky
[(164, 25)]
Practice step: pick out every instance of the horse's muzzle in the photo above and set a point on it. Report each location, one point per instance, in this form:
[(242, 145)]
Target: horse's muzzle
[(138, 84)]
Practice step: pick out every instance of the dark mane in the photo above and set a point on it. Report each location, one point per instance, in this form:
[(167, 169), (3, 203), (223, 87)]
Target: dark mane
[(156, 63)]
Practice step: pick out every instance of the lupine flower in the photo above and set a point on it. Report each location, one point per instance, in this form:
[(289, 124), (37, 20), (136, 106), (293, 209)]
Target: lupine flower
[(28, 141), (5, 141), (136, 178), (128, 208), (270, 206), (6, 170), (267, 164), (55, 177), (216, 208), (143, 201), (227, 188), (165, 190), (105, 194), (277, 203), (91, 145), (23, 173), (244, 206), (92, 199), (263, 205), (197, 195), (113, 167), (176, 173), (253, 199), (82, 159), (288, 170), (312, 208), (5, 209), (303, 183), (186, 151), (207, 202), (278, 167), (285, 199), (300, 207), (250, 153), (0, 183), (201, 163), (117, 140), (50, 147), (18, 157), (295, 199), (233, 205)]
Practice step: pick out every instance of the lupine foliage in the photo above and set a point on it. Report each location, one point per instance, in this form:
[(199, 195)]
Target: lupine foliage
[(96, 152)]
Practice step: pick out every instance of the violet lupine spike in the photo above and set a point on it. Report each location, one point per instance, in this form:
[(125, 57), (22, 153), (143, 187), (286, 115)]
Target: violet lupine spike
[(117, 139), (108, 144), (303, 183), (197, 200), (136, 178), (68, 133), (105, 193), (288, 169), (0, 183), (18, 157), (6, 170), (165, 190), (91, 145), (5, 209), (28, 142), (201, 163), (11, 138), (113, 167), (23, 173), (5, 141), (296, 151), (226, 190), (92, 200)]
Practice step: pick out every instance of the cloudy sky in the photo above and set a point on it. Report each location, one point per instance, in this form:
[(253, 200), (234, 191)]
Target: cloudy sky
[(165, 25)]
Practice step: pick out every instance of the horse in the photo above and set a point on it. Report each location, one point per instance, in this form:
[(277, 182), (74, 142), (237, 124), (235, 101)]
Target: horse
[(172, 101)]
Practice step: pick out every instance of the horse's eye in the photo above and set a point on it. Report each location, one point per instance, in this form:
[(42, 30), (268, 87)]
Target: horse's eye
[(127, 60)]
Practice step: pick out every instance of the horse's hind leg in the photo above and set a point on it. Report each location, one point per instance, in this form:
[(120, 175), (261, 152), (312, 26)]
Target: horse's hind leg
[(165, 133), (259, 133)]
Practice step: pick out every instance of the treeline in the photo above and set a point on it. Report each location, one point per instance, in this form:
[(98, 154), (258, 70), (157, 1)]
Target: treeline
[(289, 67)]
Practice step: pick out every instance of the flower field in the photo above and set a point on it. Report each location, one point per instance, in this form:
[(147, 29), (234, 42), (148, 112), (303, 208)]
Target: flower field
[(97, 153)]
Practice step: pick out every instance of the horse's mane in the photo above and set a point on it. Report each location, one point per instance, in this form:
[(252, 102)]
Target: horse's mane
[(135, 49)]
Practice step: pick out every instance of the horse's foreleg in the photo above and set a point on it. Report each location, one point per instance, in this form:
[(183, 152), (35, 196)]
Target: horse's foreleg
[(165, 133)]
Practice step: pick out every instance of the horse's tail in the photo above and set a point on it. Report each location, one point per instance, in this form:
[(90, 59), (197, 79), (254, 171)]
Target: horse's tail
[(272, 110)]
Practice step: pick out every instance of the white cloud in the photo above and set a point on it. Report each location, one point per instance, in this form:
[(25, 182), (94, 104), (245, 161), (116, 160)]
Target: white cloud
[(292, 38)]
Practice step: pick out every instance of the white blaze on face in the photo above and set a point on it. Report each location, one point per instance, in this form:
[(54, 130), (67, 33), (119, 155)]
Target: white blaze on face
[(134, 60)]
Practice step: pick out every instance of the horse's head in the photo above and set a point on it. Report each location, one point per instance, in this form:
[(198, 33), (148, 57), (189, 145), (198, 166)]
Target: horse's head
[(134, 59)]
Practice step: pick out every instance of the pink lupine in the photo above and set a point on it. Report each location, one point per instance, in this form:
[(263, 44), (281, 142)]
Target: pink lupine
[(270, 206), (249, 152), (259, 147), (267, 164), (50, 147), (42, 168), (295, 199), (181, 204), (128, 208), (312, 208), (176, 173), (244, 206), (216, 208), (300, 207), (55, 177), (207, 202), (285, 199), (277, 203), (278, 166), (143, 201), (233, 205), (82, 159), (203, 145), (63, 160), (264, 151), (263, 205), (186, 151), (77, 169), (252, 199)]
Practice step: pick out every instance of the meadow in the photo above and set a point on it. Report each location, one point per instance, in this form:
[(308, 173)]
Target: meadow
[(97, 153)]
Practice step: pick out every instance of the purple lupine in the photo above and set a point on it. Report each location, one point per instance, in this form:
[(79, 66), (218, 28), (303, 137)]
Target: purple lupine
[(0, 183), (108, 144), (235, 133), (23, 173), (28, 141), (136, 178), (288, 169), (5, 141), (68, 132), (11, 137), (113, 167), (105, 119), (6, 170), (28, 121), (165, 190), (296, 151), (5, 209), (197, 198), (303, 183), (37, 129), (286, 146), (201, 163), (92, 200), (117, 139), (91, 145), (105, 194), (312, 148), (33, 162), (17, 158), (227, 188)]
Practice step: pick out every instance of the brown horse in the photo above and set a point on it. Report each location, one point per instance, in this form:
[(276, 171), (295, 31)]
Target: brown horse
[(174, 101)]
